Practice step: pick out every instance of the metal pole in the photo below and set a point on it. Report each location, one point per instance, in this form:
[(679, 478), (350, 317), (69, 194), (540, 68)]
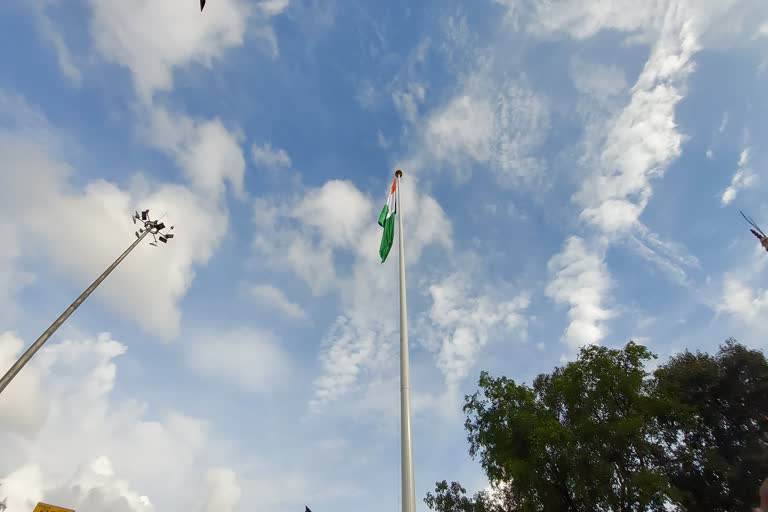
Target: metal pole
[(406, 449), (26, 356)]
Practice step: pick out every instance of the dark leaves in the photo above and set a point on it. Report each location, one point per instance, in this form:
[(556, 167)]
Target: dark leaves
[(601, 433)]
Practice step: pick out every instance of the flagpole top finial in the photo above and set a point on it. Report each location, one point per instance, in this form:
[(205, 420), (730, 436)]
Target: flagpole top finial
[(398, 173)]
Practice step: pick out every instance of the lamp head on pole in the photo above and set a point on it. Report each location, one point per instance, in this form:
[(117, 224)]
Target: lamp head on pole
[(154, 227)]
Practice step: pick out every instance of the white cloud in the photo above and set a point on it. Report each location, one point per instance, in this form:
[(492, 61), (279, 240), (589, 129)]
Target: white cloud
[(206, 151), (347, 351), (23, 408), (223, 491), (103, 450), (359, 348), (598, 80), (331, 218), (96, 437), (407, 101), (12, 278), (581, 280), (723, 123), (306, 234), (271, 297), (268, 157), (460, 322), (464, 127), (338, 211), (722, 22), (670, 256), (96, 220), (274, 7), (628, 150), (367, 95), (19, 485), (461, 45), (743, 302), (381, 140), (153, 39), (49, 31), (744, 157), (310, 233), (743, 179), (95, 487), (251, 359), (500, 125), (407, 88), (643, 139), (584, 19)]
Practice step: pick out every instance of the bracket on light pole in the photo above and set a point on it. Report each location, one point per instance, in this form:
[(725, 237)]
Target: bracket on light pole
[(153, 227)]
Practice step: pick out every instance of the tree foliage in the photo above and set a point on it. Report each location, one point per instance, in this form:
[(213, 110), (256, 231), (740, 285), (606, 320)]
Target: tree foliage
[(453, 498), (716, 436), (603, 434)]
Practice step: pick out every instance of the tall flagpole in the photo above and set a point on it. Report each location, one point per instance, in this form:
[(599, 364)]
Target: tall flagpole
[(408, 491)]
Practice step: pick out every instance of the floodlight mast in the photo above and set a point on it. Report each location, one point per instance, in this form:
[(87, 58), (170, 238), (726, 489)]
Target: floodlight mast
[(150, 227)]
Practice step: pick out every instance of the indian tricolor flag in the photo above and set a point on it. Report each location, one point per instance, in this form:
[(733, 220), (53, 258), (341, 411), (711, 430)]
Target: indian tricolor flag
[(387, 221)]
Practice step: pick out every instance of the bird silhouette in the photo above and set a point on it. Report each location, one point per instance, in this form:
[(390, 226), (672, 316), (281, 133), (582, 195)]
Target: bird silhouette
[(755, 230)]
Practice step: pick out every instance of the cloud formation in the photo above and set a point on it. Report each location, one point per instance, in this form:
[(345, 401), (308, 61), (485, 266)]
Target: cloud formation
[(743, 179), (580, 279), (265, 156), (460, 322), (153, 39), (250, 359), (95, 218), (86, 427), (643, 139), (273, 298), (309, 233), (208, 153), (498, 124)]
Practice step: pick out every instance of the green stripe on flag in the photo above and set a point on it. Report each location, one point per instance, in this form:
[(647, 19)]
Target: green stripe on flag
[(388, 236), (383, 215)]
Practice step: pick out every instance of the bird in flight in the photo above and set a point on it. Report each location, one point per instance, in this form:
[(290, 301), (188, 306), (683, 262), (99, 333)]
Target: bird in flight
[(756, 231)]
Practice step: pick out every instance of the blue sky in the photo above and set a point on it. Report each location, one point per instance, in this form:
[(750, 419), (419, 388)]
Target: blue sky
[(573, 174)]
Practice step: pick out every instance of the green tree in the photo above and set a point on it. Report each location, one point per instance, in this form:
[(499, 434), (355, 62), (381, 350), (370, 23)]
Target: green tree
[(602, 434), (716, 435), (453, 498), (579, 439)]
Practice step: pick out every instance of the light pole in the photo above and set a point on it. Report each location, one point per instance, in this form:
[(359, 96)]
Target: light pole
[(151, 227)]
